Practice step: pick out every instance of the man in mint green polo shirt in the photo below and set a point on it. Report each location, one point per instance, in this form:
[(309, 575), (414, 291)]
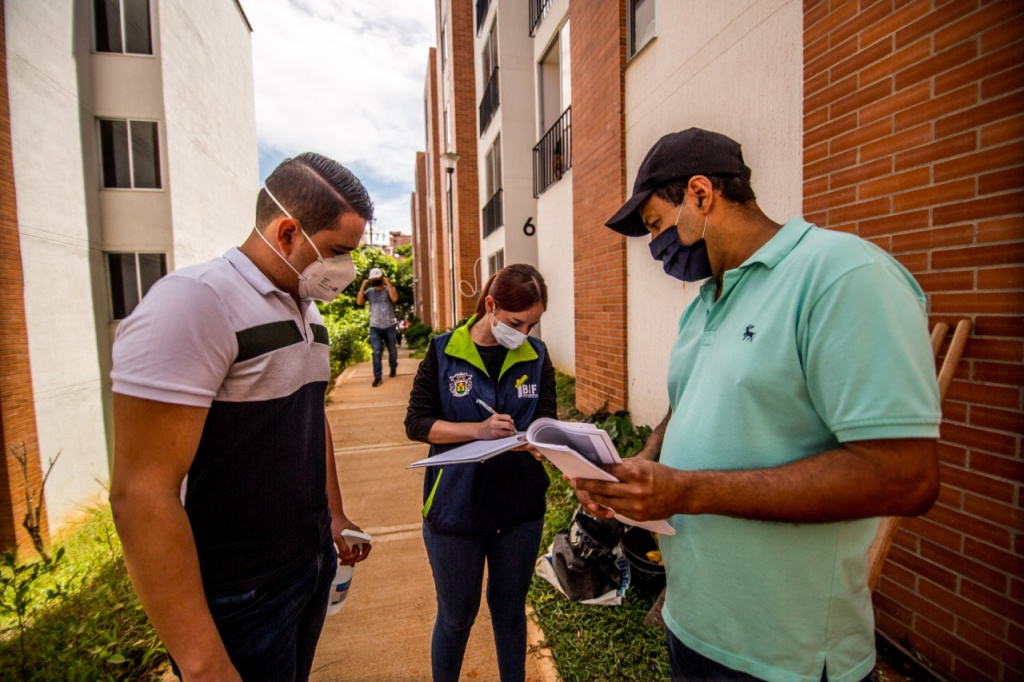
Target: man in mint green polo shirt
[(803, 407)]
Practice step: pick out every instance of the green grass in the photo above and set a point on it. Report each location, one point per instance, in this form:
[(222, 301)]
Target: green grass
[(592, 643), (86, 622)]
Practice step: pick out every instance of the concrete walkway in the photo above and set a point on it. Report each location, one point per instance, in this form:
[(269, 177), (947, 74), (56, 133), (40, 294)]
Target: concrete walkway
[(383, 632)]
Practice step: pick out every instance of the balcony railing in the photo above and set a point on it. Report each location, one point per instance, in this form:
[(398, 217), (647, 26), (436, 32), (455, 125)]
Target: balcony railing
[(492, 214), (481, 12), (552, 156), (490, 101), (538, 8)]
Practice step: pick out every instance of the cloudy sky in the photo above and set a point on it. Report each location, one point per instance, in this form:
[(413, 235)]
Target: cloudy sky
[(345, 78)]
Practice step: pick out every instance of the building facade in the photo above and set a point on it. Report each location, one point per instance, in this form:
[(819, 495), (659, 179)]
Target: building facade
[(897, 120), (121, 117)]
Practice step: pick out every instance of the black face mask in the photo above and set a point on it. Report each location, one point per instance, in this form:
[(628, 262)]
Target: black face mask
[(686, 262)]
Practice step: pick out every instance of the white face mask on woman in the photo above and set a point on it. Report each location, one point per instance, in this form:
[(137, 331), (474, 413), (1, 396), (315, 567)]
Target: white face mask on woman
[(505, 335), (321, 279)]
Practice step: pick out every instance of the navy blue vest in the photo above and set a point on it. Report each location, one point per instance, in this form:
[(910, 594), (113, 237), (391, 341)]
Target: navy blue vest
[(486, 497)]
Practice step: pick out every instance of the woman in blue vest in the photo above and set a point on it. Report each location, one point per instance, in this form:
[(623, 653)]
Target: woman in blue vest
[(485, 380)]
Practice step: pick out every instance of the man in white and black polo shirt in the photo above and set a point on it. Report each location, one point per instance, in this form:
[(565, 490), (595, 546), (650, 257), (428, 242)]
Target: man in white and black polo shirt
[(224, 490)]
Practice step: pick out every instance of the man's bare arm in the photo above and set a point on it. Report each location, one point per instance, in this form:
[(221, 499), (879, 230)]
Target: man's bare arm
[(339, 520), (652, 448), (897, 477), (154, 445)]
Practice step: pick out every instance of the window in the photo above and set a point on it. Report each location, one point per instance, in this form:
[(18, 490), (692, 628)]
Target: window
[(122, 26), (131, 276), (554, 81), (489, 65), (489, 58), (641, 24), (492, 168), (129, 154), (493, 215), (496, 261)]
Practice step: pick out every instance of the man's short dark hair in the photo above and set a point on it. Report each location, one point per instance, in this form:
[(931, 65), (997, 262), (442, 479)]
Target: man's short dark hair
[(733, 188), (316, 190)]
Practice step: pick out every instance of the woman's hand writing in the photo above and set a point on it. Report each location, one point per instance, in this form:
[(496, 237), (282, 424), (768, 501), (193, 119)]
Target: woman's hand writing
[(496, 426)]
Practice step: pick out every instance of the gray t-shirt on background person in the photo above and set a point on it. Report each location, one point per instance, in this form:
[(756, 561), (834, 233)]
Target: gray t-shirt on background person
[(382, 310)]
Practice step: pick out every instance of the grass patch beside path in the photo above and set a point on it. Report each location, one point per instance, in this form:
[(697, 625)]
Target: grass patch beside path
[(593, 643), (85, 622)]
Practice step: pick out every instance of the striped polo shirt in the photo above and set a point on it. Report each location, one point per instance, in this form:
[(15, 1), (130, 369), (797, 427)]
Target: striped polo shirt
[(221, 335)]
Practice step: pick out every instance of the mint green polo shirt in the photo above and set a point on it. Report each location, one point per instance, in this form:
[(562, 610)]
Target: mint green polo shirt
[(819, 338)]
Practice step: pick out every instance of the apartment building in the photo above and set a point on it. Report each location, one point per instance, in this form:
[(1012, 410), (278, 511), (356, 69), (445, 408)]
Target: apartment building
[(897, 120), (127, 149)]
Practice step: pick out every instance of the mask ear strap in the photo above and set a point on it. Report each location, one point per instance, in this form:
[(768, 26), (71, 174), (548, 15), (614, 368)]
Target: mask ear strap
[(267, 242)]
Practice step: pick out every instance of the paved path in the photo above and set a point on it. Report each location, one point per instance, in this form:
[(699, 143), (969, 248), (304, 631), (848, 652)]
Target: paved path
[(383, 632)]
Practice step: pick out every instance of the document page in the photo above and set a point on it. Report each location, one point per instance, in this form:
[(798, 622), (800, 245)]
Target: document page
[(574, 465), (586, 439), (474, 451)]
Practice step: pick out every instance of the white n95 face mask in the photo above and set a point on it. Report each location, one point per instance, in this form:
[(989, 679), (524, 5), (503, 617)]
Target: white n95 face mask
[(321, 279)]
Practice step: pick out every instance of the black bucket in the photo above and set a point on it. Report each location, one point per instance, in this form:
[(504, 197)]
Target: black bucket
[(644, 574)]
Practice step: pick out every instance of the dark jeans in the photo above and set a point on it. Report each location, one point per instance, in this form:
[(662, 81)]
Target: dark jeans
[(378, 337), (457, 562), (689, 666), (271, 632)]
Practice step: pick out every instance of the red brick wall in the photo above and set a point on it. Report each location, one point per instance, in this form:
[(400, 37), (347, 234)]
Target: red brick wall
[(455, 84), (420, 243), (17, 408), (436, 186), (599, 188), (914, 139), (466, 194)]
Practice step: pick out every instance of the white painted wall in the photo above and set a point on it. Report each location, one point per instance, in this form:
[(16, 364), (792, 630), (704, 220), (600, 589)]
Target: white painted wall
[(733, 67), (554, 224), (514, 122), (55, 172), (555, 262), (210, 123), (199, 88)]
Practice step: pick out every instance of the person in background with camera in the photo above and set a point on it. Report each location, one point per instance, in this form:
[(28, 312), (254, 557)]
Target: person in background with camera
[(383, 324), (803, 406), (485, 380)]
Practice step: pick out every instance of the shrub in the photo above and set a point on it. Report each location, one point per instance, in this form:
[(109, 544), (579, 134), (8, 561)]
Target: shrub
[(348, 336), (628, 439), (418, 335)]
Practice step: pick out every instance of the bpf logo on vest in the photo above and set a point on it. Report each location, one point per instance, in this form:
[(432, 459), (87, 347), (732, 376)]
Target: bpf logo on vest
[(524, 389)]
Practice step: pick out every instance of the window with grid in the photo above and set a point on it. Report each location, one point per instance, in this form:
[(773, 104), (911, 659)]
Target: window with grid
[(131, 276), (129, 154), (122, 26)]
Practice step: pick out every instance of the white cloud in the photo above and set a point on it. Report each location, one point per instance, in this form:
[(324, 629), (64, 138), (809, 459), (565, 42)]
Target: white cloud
[(345, 78)]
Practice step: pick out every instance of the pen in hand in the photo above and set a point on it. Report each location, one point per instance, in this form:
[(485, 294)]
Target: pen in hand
[(505, 427), (484, 405)]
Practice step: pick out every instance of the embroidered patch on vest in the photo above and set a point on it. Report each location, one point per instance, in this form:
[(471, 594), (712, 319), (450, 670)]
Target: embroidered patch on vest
[(460, 384), (524, 389)]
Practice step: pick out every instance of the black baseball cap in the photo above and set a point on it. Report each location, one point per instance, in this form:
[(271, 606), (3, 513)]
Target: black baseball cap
[(678, 156)]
